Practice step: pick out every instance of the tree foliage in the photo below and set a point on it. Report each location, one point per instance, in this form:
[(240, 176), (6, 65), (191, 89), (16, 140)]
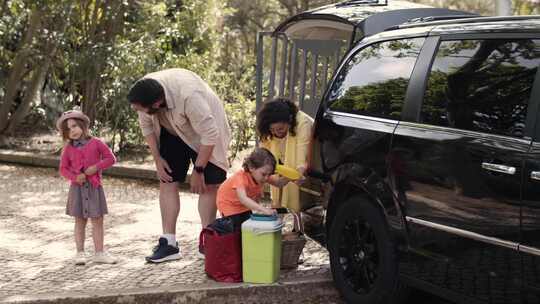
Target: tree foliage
[(58, 54), (485, 7)]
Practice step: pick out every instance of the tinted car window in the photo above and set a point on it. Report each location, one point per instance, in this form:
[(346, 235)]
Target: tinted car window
[(375, 79), (482, 85)]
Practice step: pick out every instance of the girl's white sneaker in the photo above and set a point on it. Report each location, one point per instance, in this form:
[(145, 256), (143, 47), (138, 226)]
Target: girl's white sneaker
[(80, 258), (104, 258)]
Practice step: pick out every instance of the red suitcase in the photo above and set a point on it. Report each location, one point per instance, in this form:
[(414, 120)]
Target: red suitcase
[(223, 255)]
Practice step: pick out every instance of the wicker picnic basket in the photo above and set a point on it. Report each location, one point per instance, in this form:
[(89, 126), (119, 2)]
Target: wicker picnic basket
[(292, 245), (291, 249)]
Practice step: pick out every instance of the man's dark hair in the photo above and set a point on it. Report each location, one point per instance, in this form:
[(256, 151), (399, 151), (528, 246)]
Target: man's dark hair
[(145, 92), (273, 111)]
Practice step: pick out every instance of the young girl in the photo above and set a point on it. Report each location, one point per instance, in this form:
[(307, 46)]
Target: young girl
[(237, 197), (83, 159)]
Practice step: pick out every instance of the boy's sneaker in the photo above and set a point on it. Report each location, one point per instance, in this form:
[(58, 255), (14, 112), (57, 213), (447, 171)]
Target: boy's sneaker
[(80, 258), (104, 258), (164, 252)]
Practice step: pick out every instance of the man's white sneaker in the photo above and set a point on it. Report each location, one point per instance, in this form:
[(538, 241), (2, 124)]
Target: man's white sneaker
[(104, 258), (80, 258)]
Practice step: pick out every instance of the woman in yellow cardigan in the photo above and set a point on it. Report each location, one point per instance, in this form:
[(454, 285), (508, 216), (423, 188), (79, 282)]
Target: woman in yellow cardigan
[(286, 132)]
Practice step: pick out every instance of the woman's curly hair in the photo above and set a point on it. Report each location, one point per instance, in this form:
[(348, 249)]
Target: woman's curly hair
[(273, 111), (258, 158)]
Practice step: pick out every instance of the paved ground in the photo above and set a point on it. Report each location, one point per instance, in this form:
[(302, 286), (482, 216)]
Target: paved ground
[(37, 241)]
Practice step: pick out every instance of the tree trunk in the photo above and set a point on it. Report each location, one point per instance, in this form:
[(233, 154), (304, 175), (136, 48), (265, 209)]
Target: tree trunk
[(18, 68), (503, 7), (4, 141), (290, 7), (103, 30), (304, 5), (91, 95), (33, 91), (40, 70), (3, 7)]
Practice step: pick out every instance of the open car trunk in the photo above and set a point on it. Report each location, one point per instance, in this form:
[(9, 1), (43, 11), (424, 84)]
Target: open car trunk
[(300, 56)]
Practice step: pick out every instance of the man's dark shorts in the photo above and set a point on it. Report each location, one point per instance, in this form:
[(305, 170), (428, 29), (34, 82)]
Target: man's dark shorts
[(178, 155)]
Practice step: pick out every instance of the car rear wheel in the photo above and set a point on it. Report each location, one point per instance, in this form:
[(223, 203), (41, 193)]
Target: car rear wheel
[(362, 256)]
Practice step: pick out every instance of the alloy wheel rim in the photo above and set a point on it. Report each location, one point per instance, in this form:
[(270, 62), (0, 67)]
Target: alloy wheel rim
[(358, 255)]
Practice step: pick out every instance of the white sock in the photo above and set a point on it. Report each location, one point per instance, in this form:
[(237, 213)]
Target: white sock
[(171, 238)]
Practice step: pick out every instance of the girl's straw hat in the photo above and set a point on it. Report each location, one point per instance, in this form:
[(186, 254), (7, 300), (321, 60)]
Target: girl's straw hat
[(71, 114)]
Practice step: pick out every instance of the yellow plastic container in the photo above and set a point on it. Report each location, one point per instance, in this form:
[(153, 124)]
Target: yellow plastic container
[(261, 249), (288, 172)]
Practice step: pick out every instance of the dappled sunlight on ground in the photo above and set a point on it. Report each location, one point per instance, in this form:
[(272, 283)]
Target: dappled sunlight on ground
[(38, 245), (37, 237)]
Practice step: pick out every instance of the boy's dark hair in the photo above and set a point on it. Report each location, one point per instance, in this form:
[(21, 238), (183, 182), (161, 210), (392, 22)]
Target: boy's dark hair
[(258, 158), (273, 111), (145, 92)]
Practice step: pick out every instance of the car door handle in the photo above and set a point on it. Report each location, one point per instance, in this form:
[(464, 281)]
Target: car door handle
[(499, 168), (535, 175)]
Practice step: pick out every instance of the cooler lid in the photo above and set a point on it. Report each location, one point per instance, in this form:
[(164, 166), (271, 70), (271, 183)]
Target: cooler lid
[(263, 217), (262, 223)]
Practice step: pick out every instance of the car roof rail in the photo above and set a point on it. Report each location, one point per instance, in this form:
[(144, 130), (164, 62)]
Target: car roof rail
[(362, 2), (461, 20), (422, 20), (439, 18)]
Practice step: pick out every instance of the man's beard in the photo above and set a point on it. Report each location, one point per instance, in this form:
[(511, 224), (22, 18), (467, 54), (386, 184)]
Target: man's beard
[(152, 111)]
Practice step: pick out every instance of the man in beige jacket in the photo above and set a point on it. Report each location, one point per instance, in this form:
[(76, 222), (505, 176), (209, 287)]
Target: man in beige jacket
[(182, 120)]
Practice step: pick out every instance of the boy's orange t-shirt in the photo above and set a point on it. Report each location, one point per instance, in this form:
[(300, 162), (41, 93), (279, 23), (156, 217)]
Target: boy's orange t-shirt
[(227, 199)]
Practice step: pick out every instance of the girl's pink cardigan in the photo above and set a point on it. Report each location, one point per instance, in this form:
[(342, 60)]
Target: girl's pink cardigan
[(75, 160)]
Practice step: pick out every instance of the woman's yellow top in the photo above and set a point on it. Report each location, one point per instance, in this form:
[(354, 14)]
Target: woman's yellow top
[(294, 154)]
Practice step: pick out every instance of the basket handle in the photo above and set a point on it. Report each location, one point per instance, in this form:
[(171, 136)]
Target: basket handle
[(297, 218), (298, 222)]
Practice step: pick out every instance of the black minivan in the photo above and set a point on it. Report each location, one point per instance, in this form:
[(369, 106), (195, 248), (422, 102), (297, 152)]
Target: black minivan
[(427, 151)]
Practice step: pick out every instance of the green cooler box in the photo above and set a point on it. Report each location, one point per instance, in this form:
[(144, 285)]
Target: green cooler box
[(261, 248)]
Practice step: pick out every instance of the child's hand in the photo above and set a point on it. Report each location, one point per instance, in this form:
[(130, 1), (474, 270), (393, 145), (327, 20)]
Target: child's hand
[(267, 211), (281, 181), (81, 178), (91, 170), (300, 181)]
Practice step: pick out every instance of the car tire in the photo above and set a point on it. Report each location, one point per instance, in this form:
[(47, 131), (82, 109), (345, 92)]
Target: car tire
[(363, 257)]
